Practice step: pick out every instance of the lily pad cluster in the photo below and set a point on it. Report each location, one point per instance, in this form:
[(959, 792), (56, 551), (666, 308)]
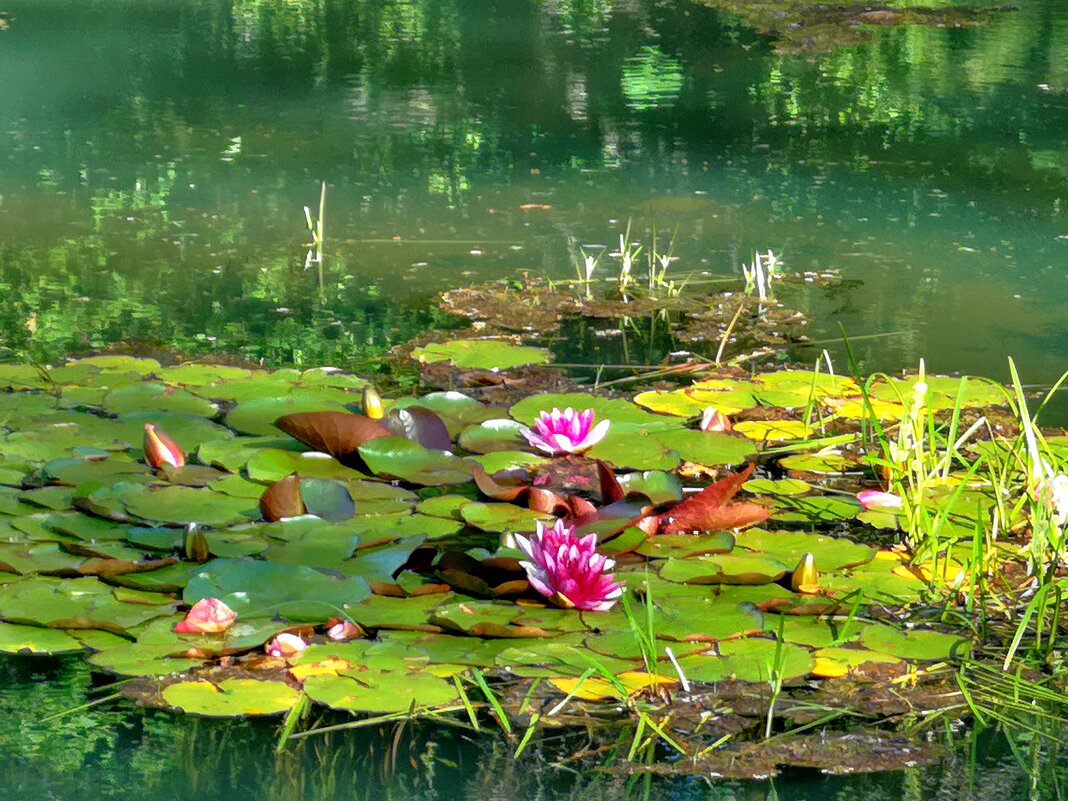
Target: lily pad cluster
[(299, 513)]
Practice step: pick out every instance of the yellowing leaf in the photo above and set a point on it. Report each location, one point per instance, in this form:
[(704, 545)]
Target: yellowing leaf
[(762, 430), (329, 667), (833, 663), (597, 689)]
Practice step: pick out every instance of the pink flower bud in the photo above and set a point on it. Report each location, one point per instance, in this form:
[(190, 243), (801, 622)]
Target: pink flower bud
[(286, 645), (343, 630), (715, 420), (160, 449), (208, 616), (874, 499)]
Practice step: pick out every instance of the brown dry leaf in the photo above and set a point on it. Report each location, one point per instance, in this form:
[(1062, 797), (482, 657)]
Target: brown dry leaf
[(338, 433)]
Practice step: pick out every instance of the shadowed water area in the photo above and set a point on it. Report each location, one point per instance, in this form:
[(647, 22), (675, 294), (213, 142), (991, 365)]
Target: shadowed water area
[(155, 159)]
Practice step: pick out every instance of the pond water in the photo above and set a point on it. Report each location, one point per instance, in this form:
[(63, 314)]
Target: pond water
[(51, 747), (155, 159)]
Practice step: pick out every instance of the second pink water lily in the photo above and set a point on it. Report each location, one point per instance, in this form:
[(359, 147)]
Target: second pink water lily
[(567, 569), (559, 432)]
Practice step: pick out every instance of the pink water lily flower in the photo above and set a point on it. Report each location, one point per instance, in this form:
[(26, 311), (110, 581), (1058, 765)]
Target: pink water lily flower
[(160, 449), (568, 570), (286, 645), (568, 431), (874, 499), (208, 616)]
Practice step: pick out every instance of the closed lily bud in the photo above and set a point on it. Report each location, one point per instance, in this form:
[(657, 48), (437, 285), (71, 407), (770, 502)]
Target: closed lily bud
[(343, 630), (160, 449), (196, 544), (875, 499), (208, 616), (805, 578), (372, 404), (715, 420), (286, 645)]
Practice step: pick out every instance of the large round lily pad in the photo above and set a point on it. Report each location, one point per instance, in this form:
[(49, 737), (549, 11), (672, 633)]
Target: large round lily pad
[(296, 592), (481, 354), (183, 505), (380, 691), (231, 697)]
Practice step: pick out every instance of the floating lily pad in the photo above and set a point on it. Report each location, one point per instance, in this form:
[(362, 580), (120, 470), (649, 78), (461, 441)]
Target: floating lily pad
[(914, 644), (837, 662), (157, 398), (499, 517), (231, 697), (139, 659), (295, 592), (493, 435), (656, 485), (270, 465), (184, 505), (85, 603), (200, 375), (381, 691), (257, 416), (481, 354), (831, 553), (16, 639), (397, 457)]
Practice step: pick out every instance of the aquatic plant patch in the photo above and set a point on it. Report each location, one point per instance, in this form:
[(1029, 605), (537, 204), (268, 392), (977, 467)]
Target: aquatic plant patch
[(241, 550)]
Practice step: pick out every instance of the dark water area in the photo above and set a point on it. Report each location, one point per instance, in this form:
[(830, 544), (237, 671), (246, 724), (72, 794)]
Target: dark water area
[(54, 747), (155, 159)]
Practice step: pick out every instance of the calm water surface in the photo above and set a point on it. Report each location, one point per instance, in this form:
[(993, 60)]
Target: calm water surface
[(155, 158)]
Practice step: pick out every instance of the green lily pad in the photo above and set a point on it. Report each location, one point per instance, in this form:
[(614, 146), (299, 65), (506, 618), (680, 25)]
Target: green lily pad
[(380, 691), (753, 660), (457, 410), (834, 662), (138, 659), (665, 546), (831, 553), (201, 375), (296, 592), (659, 487), (828, 464), (231, 697), (381, 612), (84, 603), (914, 644), (157, 398), (396, 457), (270, 465), (16, 639), (493, 435), (257, 416), (233, 454), (728, 568), (500, 517), (786, 486), (481, 354), (183, 505), (706, 447)]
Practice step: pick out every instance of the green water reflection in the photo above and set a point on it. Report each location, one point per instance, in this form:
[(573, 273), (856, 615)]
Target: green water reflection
[(157, 156), (52, 749)]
